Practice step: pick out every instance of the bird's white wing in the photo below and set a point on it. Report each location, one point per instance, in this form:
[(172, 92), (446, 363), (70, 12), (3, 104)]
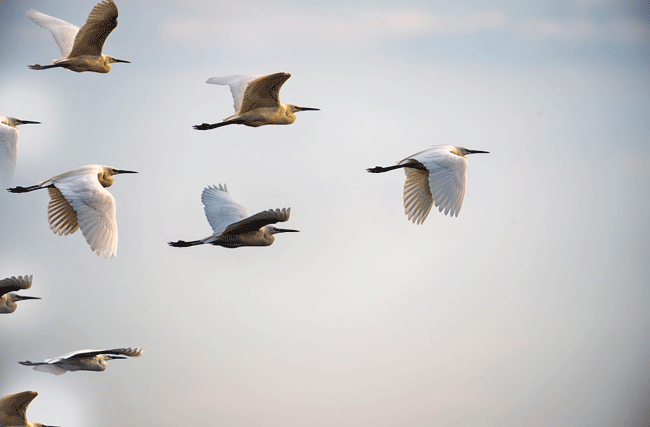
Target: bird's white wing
[(446, 178), (50, 369), (221, 209), (128, 351), (60, 214), (67, 356), (14, 284), (95, 208), (63, 32), (13, 408), (238, 84), (417, 195), (8, 152)]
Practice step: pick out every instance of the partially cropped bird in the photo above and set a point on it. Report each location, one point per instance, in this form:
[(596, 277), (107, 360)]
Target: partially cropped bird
[(81, 49), (257, 101), (7, 296), (9, 146), (78, 199), (83, 360), (13, 410), (231, 224), (435, 175)]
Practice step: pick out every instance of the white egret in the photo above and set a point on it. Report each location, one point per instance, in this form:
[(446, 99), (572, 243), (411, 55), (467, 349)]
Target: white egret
[(81, 49), (78, 199), (257, 101), (83, 360), (9, 146), (13, 410), (231, 224), (435, 175), (7, 296)]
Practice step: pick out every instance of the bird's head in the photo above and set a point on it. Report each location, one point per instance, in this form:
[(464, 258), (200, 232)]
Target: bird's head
[(112, 60), (105, 176), (462, 151), (16, 297), (295, 108), (13, 122)]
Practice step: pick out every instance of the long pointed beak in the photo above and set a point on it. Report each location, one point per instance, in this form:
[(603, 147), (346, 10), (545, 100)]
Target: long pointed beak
[(309, 109), (121, 171), (117, 357), (477, 152), (20, 298), (285, 230), (122, 60), (27, 122)]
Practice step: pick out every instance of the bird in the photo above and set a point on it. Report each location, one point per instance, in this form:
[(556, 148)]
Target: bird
[(435, 175), (231, 224), (81, 49), (78, 199), (9, 147), (257, 101), (7, 296), (83, 360), (13, 410)]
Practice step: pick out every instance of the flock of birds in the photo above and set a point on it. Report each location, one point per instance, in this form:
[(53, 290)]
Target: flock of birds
[(79, 199)]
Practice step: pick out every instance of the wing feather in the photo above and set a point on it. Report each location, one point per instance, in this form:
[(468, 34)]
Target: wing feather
[(8, 152), (15, 284), (64, 33), (13, 408), (263, 92), (60, 214), (259, 220), (417, 195), (127, 351), (95, 208), (50, 369), (221, 209), (238, 84), (100, 23)]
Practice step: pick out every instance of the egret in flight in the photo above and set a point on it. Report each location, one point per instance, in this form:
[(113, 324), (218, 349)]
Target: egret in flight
[(13, 410), (257, 101), (435, 175), (231, 224), (7, 296), (81, 49), (79, 199), (9, 146), (83, 360)]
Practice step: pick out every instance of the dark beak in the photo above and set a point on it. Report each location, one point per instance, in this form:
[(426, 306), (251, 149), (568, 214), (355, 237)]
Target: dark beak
[(285, 230), (121, 171), (117, 357), (27, 122), (21, 298), (308, 109), (477, 152), (122, 60)]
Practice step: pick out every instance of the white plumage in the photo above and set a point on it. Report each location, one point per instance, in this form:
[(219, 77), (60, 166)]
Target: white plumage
[(9, 146), (83, 360)]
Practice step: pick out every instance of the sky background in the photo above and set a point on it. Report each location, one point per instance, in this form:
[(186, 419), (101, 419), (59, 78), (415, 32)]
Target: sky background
[(528, 309)]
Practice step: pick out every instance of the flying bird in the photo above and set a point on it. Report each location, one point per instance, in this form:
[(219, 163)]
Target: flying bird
[(435, 175), (257, 101), (83, 360), (81, 49), (9, 146), (231, 224), (7, 296), (78, 199), (13, 409)]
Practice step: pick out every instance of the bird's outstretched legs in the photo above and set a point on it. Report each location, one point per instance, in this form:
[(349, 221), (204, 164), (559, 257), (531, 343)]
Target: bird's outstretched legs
[(43, 67), (206, 126), (27, 189), (414, 165)]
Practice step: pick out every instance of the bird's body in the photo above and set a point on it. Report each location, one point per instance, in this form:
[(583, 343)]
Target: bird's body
[(83, 360), (435, 175), (9, 146), (79, 199), (81, 48), (7, 296), (232, 226), (257, 101), (13, 410)]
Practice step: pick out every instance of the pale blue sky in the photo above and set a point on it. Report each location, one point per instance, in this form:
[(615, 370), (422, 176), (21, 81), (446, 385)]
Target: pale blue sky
[(528, 309)]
